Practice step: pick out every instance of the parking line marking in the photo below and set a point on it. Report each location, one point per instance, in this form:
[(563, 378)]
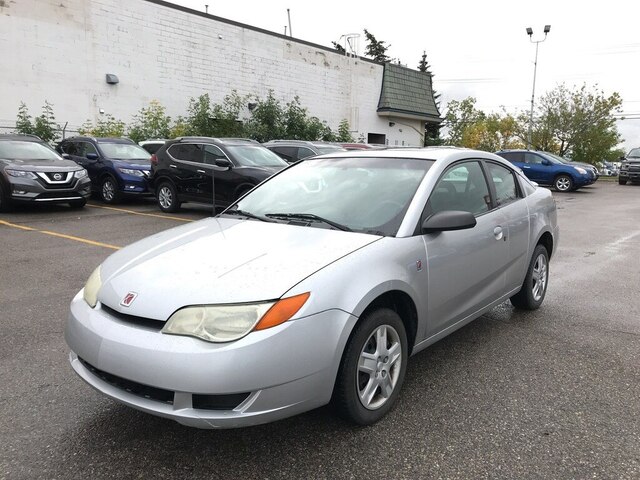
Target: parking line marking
[(61, 235), (133, 212)]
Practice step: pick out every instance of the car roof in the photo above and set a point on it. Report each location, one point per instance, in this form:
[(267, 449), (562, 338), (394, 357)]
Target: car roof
[(21, 136), (221, 140), (100, 139), (442, 153)]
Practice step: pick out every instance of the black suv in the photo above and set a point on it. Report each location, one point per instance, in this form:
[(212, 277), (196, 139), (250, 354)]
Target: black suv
[(183, 170), (116, 166), (32, 172), (630, 167), (294, 150)]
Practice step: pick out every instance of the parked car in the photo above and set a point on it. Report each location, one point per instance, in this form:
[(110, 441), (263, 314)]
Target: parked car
[(361, 146), (294, 150), (316, 286), (183, 170), (117, 166), (587, 166), (545, 169), (32, 172), (152, 146), (608, 169), (630, 167)]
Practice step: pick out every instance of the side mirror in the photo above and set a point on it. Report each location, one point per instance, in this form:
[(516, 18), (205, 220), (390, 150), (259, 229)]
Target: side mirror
[(448, 220), (546, 162), (622, 157), (223, 163), (92, 156)]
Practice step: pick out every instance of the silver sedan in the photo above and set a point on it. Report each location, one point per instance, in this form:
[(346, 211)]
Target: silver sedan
[(315, 287)]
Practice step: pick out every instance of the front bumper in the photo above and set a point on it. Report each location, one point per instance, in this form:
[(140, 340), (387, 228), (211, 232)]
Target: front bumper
[(31, 191), (283, 370), (133, 185), (631, 175)]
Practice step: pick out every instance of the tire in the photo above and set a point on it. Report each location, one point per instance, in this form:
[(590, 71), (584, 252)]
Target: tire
[(109, 192), (5, 203), (363, 394), (622, 181), (534, 287), (167, 197), (563, 183), (78, 203)]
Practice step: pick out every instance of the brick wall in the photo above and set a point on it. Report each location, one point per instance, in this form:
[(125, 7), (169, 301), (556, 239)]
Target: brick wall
[(60, 50)]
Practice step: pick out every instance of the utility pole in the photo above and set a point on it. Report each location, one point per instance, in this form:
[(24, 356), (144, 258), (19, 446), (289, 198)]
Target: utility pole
[(547, 29)]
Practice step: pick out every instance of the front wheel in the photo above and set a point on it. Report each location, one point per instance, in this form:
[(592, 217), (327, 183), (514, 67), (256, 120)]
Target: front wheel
[(167, 197), (622, 181), (534, 287), (5, 203), (372, 369), (109, 192), (563, 183)]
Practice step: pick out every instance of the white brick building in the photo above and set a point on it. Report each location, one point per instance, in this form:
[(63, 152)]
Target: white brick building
[(61, 51)]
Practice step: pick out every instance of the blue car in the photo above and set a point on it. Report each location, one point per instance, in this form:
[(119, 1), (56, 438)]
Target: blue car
[(117, 167), (544, 169)]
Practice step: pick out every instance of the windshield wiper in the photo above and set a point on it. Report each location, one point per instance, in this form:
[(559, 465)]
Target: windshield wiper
[(309, 216), (247, 214)]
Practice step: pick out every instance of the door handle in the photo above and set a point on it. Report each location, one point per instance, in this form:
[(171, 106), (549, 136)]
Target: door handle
[(525, 166), (499, 233), (201, 171), (172, 166)]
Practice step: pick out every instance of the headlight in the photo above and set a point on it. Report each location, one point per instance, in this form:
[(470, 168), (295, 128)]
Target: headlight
[(581, 170), (20, 173), (92, 287), (131, 171), (80, 173), (226, 323)]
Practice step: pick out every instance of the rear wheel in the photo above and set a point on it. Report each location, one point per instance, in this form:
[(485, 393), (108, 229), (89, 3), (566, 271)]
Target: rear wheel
[(622, 181), (109, 192), (534, 287), (563, 183), (167, 197), (372, 368)]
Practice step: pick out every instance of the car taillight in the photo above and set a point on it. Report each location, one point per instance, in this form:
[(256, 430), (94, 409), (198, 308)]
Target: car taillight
[(154, 159)]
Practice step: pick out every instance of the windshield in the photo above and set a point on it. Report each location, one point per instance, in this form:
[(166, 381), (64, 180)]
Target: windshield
[(124, 151), (255, 156), (369, 195), (33, 151), (634, 153)]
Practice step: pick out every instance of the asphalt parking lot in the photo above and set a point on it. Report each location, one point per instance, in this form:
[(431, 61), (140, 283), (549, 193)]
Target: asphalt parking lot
[(548, 394)]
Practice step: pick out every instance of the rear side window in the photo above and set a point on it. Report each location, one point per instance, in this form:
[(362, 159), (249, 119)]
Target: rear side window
[(513, 156), (187, 152), (304, 152), (504, 183), (287, 153), (152, 147)]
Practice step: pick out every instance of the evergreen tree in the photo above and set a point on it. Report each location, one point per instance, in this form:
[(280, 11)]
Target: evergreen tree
[(376, 49)]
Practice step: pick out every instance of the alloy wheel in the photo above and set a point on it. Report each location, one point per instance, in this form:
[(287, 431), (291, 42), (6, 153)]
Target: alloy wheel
[(563, 184), (165, 198), (539, 277), (379, 367), (108, 190)]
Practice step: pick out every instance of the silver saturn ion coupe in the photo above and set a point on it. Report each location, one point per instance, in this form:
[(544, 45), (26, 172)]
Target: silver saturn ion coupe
[(315, 287)]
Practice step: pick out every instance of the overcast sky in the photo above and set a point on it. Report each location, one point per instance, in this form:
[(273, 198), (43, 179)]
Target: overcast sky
[(479, 49)]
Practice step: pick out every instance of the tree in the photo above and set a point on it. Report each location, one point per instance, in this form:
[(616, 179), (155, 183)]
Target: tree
[(344, 132), (23, 121), (150, 122), (460, 116), (423, 66), (267, 119), (45, 125), (199, 118), (579, 123), (376, 49), (340, 49), (107, 126), (226, 116)]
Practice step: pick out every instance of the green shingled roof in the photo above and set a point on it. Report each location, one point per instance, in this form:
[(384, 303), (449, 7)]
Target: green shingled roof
[(407, 91)]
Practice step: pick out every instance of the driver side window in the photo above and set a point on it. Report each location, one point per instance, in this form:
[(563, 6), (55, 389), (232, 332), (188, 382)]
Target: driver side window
[(462, 187)]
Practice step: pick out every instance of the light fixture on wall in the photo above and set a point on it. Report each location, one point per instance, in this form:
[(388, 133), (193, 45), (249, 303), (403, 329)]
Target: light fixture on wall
[(112, 79), (391, 124)]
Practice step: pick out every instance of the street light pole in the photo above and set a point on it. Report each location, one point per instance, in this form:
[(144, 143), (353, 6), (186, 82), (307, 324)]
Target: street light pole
[(547, 29)]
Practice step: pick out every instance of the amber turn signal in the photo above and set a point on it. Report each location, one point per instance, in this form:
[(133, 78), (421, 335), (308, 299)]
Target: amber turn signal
[(282, 311)]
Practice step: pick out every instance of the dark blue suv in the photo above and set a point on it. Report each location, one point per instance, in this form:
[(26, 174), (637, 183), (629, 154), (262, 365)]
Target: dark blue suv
[(544, 169), (116, 166)]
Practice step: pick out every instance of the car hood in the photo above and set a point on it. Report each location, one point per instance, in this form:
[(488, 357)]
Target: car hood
[(219, 261), (59, 165), (134, 162)]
